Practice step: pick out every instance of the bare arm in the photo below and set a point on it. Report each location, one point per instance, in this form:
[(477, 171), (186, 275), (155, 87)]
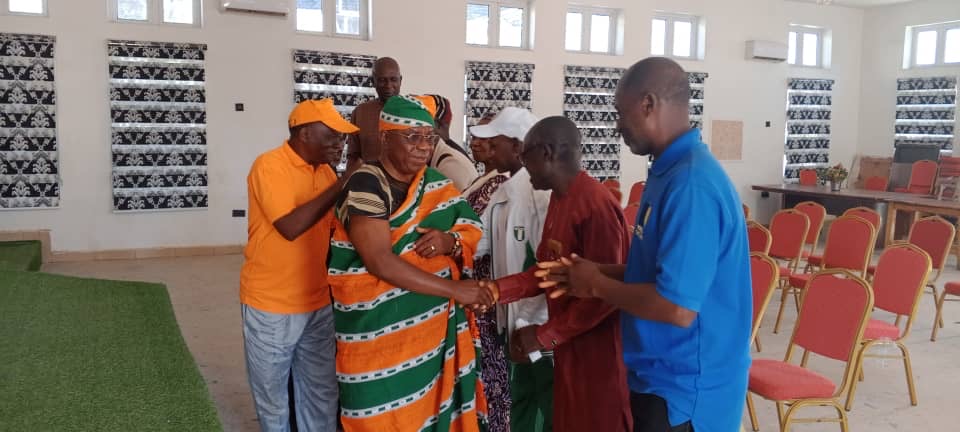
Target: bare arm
[(371, 237)]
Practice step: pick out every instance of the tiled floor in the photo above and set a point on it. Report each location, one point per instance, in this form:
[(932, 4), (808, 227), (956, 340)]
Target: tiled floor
[(204, 295)]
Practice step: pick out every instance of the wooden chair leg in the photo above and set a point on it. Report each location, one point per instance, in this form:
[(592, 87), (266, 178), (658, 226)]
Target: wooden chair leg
[(897, 321), (756, 341), (935, 293), (780, 415), (753, 413)]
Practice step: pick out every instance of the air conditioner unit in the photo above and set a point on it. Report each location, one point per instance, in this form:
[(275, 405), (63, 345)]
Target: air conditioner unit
[(269, 7), (766, 50)]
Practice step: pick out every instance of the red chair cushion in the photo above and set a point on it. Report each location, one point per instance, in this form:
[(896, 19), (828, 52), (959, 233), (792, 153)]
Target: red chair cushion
[(784, 273), (779, 381), (799, 280), (877, 329), (951, 288), (815, 259)]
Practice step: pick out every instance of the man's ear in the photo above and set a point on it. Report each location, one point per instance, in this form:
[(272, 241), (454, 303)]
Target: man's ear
[(648, 103)]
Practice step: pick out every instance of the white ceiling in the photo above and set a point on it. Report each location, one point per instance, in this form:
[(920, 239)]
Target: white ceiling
[(861, 3)]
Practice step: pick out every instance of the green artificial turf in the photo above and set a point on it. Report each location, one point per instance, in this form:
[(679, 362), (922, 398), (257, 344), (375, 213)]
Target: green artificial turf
[(20, 255), (95, 355)]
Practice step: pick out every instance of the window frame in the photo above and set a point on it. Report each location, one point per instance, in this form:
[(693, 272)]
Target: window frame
[(155, 14), (940, 50), (329, 8), (801, 30), (5, 10), (696, 53), (586, 17), (493, 23)]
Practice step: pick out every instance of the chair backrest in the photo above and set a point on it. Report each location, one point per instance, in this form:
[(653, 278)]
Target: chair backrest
[(759, 237), (764, 274), (833, 315), (876, 183), (636, 192), (746, 211), (949, 166), (630, 213), (816, 213), (808, 177), (789, 230), (935, 236), (866, 213), (900, 278), (850, 244), (922, 175)]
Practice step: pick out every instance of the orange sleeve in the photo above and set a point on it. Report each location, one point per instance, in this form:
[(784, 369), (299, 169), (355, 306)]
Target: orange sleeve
[(269, 187)]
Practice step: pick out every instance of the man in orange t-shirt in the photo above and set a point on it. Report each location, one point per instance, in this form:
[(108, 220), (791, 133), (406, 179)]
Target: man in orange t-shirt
[(287, 318)]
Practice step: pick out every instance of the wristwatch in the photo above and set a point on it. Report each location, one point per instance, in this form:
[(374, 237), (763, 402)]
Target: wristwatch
[(457, 245)]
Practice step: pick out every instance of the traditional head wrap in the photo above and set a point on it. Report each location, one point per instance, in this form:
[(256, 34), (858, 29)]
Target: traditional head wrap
[(443, 113), (404, 112)]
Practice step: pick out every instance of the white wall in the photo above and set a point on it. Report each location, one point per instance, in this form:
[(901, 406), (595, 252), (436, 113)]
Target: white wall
[(249, 61), (883, 30)]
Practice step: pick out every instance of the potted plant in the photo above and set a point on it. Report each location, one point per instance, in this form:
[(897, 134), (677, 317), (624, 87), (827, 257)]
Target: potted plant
[(836, 175)]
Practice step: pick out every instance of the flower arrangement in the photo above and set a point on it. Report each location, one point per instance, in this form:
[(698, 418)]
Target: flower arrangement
[(836, 173)]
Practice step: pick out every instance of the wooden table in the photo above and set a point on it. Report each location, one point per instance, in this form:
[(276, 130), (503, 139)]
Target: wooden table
[(894, 201)]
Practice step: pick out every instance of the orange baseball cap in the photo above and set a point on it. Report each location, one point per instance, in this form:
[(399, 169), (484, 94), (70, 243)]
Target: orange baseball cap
[(322, 110)]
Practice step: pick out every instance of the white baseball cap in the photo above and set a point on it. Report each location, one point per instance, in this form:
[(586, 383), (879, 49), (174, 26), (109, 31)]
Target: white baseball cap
[(511, 122)]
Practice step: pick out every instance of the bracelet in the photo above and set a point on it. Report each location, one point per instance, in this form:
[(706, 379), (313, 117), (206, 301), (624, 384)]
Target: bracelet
[(457, 245)]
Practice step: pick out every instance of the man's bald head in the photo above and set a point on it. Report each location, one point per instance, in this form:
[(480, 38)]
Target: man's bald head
[(559, 135), (657, 76), (551, 153), (386, 78), (653, 102)]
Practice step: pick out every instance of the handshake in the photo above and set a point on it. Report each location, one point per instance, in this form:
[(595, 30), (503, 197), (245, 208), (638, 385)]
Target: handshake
[(573, 276)]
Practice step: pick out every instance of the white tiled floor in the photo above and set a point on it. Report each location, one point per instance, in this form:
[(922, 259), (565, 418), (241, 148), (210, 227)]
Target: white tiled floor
[(204, 295)]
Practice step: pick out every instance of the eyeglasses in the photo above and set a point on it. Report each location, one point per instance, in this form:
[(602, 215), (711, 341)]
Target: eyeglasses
[(416, 138)]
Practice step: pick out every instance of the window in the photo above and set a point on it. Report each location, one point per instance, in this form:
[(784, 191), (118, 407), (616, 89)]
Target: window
[(805, 46), (590, 29), (932, 45), (346, 18), (498, 23), (185, 12), (926, 112), (23, 7), (807, 136), (29, 160), (675, 35), (158, 125), (588, 101)]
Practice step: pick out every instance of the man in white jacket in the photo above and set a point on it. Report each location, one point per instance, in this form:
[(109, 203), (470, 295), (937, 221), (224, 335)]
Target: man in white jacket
[(513, 224)]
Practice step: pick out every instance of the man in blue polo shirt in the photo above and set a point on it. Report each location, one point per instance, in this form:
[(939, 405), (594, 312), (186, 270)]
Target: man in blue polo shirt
[(685, 289)]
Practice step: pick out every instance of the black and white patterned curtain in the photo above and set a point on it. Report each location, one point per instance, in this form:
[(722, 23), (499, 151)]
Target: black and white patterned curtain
[(492, 86), (158, 120), (697, 80), (29, 172), (344, 77), (588, 94), (807, 144), (926, 110)]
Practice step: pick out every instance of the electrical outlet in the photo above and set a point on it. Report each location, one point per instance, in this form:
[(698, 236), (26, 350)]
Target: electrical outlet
[(238, 107), (239, 213), (764, 194), (768, 123)]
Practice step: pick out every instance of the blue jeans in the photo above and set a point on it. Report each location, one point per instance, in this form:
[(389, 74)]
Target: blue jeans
[(276, 345)]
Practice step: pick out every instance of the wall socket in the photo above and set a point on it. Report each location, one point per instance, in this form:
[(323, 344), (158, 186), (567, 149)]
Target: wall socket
[(238, 213), (238, 107)]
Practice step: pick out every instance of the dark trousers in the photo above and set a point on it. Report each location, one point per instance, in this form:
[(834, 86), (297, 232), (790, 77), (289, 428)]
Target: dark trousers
[(650, 414)]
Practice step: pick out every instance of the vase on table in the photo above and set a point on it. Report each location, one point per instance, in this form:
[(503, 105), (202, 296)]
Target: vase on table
[(835, 186)]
